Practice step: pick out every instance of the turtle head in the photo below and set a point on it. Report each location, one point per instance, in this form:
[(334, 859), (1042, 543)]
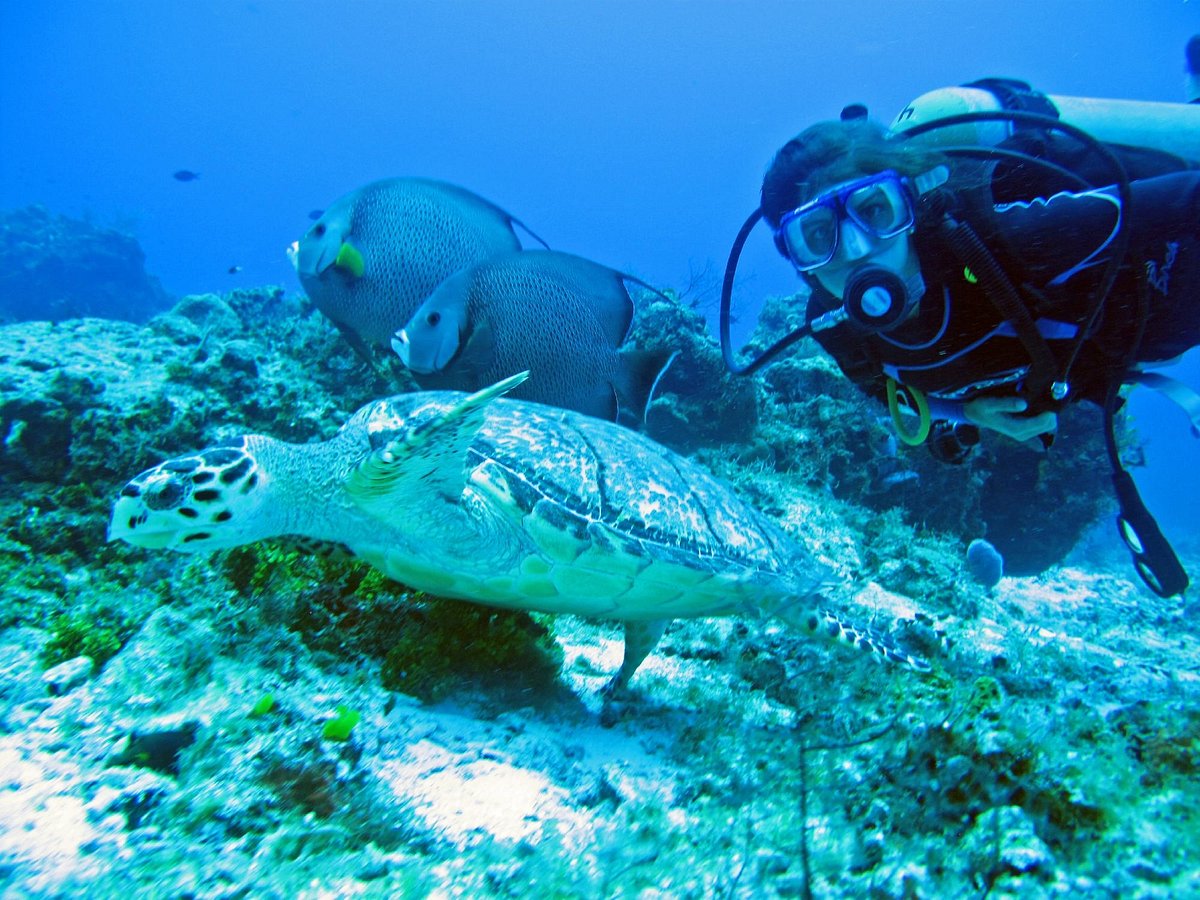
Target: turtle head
[(208, 500)]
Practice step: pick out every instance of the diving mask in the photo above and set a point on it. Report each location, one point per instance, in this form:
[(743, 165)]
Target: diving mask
[(881, 205)]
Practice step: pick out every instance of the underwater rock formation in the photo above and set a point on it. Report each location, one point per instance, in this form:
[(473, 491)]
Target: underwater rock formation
[(1051, 754), (53, 267)]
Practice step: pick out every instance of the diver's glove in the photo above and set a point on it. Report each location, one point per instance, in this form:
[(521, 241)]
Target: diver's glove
[(952, 442), (1007, 416)]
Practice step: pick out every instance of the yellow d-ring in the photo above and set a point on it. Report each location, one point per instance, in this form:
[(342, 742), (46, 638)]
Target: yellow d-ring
[(918, 402)]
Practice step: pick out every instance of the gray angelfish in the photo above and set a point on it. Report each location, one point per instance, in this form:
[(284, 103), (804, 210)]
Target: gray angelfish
[(373, 256), (562, 317)]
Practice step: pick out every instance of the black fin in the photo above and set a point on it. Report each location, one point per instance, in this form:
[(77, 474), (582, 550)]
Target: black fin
[(358, 345), (641, 372), (513, 220)]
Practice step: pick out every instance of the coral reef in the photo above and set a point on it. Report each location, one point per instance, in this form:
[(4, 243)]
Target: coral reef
[(53, 267), (278, 721)]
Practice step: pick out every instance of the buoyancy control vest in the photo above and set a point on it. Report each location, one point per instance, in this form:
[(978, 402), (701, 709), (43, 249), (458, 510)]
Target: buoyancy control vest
[(1021, 147), (1125, 140)]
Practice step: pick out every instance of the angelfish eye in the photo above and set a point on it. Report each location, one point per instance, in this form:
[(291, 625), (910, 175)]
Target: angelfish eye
[(319, 229), (433, 318)]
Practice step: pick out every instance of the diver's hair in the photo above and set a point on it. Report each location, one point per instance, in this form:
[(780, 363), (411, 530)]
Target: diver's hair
[(828, 153)]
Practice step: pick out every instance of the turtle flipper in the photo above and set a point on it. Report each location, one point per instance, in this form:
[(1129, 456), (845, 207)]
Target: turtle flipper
[(831, 625), (429, 455), (640, 639)]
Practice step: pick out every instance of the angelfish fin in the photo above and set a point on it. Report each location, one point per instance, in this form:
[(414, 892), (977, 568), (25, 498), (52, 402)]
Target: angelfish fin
[(350, 260), (359, 346), (641, 373), (478, 353)]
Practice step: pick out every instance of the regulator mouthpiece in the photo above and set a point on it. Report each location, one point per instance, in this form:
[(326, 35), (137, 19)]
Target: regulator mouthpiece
[(878, 299)]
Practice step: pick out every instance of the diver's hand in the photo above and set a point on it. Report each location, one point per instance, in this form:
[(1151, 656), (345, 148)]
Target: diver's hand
[(1003, 414)]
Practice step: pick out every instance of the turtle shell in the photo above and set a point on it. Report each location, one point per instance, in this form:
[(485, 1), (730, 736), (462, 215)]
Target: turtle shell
[(577, 472), (538, 507)]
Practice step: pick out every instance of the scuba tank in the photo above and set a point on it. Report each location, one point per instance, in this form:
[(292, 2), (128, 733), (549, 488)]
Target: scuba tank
[(1172, 128)]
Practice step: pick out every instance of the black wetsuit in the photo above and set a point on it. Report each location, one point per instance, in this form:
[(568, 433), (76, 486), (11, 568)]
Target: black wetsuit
[(1053, 250)]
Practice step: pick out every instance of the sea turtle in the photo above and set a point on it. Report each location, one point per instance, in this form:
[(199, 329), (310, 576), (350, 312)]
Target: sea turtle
[(503, 502)]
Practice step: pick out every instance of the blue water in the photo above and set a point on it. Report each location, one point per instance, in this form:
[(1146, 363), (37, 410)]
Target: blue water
[(634, 133)]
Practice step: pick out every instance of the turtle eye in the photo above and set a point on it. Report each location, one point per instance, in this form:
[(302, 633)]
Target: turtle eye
[(165, 494), (433, 318)]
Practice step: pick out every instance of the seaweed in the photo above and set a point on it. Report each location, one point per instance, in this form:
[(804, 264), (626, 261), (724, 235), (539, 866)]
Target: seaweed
[(98, 633), (447, 644)]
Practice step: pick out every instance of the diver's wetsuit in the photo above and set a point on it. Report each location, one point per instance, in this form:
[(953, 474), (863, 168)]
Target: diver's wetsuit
[(958, 346)]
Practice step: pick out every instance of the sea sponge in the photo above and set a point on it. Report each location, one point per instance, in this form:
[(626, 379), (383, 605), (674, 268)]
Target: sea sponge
[(984, 563)]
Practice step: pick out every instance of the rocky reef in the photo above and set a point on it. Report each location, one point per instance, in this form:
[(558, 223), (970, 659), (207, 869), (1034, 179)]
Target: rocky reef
[(54, 267), (267, 722)]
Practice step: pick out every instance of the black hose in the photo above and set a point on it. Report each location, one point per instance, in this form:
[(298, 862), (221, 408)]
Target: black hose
[(998, 288), (775, 349), (1120, 245)]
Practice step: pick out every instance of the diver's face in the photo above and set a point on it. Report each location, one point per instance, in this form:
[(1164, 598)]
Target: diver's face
[(868, 219), (855, 248)]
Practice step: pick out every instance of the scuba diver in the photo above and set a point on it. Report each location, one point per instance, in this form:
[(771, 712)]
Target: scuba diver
[(994, 256)]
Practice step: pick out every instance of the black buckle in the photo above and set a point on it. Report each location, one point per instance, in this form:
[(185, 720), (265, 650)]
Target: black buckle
[(1016, 96)]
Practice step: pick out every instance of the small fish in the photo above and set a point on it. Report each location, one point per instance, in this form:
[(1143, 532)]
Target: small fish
[(185, 175), (315, 214), (233, 270), (373, 256), (984, 563), (886, 474), (562, 317)]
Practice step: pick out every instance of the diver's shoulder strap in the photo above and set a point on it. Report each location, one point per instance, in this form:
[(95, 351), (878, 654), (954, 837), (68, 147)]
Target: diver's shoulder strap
[(1045, 385)]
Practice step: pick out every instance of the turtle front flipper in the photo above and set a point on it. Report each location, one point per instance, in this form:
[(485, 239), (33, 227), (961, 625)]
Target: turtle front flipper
[(424, 456)]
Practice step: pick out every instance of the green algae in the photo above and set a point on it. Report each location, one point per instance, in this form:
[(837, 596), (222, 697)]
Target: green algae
[(99, 634), (448, 644), (341, 725)]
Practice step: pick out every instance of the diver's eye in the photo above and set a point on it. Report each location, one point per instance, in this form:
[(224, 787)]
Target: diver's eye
[(319, 230), (818, 234), (432, 319)]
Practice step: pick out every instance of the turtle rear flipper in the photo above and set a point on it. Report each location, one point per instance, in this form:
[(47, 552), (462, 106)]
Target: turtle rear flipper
[(640, 639), (833, 626)]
